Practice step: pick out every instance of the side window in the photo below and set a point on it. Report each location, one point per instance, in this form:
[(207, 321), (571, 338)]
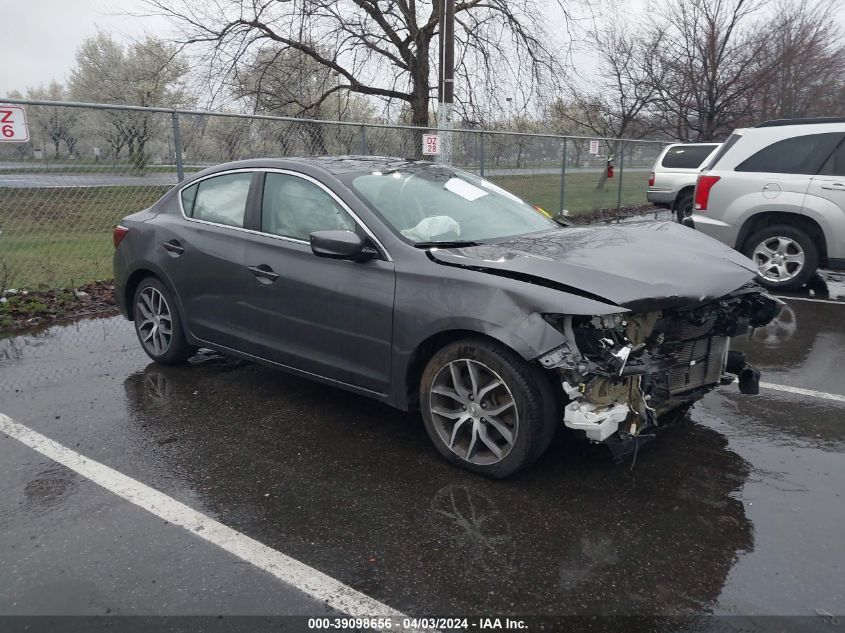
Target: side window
[(294, 207), (835, 165), (221, 199), (797, 155), (189, 195)]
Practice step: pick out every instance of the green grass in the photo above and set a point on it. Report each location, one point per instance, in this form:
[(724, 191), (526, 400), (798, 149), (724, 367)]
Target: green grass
[(580, 192), (51, 238)]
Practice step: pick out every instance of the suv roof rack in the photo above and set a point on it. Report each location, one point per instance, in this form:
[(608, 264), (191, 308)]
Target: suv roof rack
[(780, 122)]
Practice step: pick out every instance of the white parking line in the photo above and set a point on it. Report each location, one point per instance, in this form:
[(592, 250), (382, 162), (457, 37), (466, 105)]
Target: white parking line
[(307, 579), (788, 298), (804, 392)]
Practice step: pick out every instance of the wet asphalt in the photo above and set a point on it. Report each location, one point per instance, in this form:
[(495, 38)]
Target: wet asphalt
[(737, 510)]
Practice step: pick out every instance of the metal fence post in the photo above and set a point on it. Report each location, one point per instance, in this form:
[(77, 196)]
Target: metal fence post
[(364, 150), (621, 173), (481, 154), (562, 178), (177, 147)]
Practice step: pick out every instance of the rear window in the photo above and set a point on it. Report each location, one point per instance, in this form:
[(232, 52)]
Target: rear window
[(797, 155), (686, 156)]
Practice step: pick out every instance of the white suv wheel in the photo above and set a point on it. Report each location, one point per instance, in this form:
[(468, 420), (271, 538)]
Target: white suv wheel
[(779, 259)]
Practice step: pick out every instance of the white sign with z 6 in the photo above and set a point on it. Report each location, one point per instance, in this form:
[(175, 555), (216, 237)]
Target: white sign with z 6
[(431, 144), (13, 127), (594, 147)]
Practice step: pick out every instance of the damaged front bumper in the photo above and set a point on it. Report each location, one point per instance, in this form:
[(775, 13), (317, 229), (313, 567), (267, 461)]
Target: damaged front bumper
[(625, 373)]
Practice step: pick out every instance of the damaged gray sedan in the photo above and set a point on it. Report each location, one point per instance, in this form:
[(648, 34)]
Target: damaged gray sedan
[(430, 288)]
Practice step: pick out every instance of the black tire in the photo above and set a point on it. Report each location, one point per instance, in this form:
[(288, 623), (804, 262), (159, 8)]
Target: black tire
[(177, 350), (683, 206), (811, 255), (532, 396)]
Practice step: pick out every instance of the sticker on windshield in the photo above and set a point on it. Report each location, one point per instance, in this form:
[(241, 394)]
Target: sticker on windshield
[(464, 189)]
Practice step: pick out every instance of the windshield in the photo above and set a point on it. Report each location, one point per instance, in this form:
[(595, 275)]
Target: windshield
[(436, 204)]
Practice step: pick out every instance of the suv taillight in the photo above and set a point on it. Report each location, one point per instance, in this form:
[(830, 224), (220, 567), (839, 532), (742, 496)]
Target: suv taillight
[(118, 234), (702, 191), (651, 179)]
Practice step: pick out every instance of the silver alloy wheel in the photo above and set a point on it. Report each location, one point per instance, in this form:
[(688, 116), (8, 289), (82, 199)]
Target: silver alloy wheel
[(156, 325), (778, 259), (474, 411)]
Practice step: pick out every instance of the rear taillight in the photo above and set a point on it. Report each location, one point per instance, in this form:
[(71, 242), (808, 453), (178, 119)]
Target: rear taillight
[(118, 234), (702, 191), (651, 179)]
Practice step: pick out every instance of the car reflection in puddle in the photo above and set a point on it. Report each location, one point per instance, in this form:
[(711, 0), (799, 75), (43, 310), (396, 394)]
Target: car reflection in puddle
[(353, 488)]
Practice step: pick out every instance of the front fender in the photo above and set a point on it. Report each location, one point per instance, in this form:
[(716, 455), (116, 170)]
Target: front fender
[(506, 310)]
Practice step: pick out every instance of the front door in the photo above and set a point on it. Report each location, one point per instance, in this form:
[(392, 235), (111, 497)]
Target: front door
[(333, 318), (827, 195)]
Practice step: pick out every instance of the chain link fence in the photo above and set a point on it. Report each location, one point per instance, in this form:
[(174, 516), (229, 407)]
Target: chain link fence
[(88, 165)]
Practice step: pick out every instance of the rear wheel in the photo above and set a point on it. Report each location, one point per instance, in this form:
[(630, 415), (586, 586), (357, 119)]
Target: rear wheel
[(683, 206), (786, 256), (158, 324), (485, 408)]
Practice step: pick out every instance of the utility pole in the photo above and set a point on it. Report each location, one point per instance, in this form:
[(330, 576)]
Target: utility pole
[(446, 87)]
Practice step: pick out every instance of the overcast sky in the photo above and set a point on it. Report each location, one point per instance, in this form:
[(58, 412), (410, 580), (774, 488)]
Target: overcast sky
[(40, 37)]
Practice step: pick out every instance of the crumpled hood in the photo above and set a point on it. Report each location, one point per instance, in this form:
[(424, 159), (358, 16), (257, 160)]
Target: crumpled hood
[(638, 266)]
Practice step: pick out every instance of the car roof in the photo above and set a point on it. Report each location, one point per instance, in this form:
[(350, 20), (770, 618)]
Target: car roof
[(334, 165), (812, 121)]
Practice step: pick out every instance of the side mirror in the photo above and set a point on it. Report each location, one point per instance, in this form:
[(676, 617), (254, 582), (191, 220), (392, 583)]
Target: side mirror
[(341, 244)]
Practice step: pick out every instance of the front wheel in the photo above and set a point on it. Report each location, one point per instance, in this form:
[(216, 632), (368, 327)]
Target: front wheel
[(485, 408), (786, 256), (159, 325)]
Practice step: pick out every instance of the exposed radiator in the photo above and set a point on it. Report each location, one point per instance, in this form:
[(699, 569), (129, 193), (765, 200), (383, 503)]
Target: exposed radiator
[(700, 363)]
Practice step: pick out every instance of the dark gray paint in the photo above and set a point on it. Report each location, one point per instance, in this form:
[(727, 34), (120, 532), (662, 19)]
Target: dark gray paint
[(364, 325), (630, 266)]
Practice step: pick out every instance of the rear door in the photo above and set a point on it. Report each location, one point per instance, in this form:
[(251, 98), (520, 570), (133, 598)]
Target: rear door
[(776, 177), (333, 318), (826, 197), (203, 253)]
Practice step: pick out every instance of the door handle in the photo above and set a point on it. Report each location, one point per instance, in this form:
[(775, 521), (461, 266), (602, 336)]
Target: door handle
[(264, 273), (173, 246), (836, 186)]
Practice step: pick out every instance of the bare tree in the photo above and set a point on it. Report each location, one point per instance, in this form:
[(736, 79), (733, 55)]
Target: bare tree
[(700, 68), (807, 48), (707, 65), (380, 48), (614, 108)]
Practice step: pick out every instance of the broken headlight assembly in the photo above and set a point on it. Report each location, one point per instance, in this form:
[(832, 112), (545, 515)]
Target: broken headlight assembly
[(623, 372), (602, 369)]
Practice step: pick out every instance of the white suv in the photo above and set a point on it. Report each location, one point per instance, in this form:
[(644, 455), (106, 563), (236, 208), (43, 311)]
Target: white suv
[(776, 193), (672, 179)]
